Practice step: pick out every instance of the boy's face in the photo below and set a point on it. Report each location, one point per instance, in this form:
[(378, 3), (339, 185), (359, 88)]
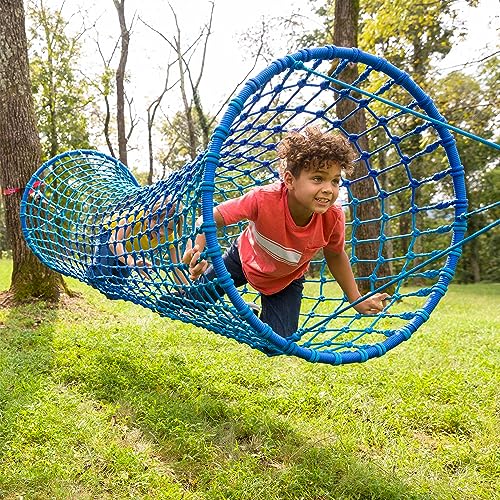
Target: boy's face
[(163, 230), (313, 191), (158, 226)]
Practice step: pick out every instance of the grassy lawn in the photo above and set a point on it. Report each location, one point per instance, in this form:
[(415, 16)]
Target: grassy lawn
[(103, 399)]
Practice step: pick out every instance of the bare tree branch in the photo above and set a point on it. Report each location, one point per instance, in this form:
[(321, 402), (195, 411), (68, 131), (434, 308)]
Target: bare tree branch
[(132, 117), (187, 105), (120, 81), (244, 79), (205, 126), (152, 109), (475, 61)]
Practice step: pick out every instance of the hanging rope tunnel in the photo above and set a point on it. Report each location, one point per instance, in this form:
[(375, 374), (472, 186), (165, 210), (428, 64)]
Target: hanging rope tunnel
[(408, 173)]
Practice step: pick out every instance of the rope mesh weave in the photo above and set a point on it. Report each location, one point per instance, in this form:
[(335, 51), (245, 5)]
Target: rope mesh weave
[(419, 193)]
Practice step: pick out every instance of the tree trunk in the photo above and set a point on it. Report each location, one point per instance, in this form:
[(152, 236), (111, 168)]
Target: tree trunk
[(120, 83), (202, 119), (20, 153), (474, 262), (346, 35), (188, 111), (474, 255)]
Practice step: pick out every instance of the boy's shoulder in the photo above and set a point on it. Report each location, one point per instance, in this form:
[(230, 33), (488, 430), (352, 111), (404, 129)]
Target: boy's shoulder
[(273, 189), (336, 218)]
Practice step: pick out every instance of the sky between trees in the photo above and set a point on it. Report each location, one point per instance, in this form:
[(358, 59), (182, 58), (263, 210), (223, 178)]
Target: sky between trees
[(228, 58)]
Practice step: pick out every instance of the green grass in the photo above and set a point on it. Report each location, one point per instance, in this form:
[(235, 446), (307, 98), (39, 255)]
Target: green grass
[(103, 399)]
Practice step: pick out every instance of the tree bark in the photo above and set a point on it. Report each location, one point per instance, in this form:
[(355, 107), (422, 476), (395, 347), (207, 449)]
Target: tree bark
[(188, 110), (20, 153), (345, 34), (120, 83)]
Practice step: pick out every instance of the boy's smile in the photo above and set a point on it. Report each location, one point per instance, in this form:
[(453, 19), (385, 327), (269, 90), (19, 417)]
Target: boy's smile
[(313, 191)]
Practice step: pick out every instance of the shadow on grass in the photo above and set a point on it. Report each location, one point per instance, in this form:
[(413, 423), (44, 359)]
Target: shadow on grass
[(219, 444), (224, 447)]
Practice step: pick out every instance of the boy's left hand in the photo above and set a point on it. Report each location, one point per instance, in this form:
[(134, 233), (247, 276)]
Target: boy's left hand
[(142, 265), (372, 305)]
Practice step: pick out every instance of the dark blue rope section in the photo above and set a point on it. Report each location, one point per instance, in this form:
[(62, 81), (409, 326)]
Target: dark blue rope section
[(255, 122), (84, 214), (300, 65)]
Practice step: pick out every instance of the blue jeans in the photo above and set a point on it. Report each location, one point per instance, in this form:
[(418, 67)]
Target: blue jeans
[(106, 269), (281, 310)]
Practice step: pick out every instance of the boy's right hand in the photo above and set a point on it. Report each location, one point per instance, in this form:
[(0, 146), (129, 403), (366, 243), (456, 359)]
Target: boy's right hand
[(373, 305), (196, 266)]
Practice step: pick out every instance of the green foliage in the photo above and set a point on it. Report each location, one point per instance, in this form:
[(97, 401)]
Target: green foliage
[(411, 34), (414, 35), (103, 399), (107, 81), (60, 93), (141, 176), (469, 102), (408, 33), (393, 29)]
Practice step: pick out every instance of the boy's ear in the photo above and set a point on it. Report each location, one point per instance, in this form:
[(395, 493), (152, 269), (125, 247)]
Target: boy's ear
[(288, 179)]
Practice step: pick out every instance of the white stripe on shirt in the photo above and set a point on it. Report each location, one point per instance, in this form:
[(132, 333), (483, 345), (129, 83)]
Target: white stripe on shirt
[(287, 255)]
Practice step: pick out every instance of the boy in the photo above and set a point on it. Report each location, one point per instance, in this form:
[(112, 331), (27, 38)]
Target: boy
[(128, 240), (289, 222)]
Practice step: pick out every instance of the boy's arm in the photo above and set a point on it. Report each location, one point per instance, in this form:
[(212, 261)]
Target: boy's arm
[(116, 244), (341, 270), (118, 235), (193, 253)]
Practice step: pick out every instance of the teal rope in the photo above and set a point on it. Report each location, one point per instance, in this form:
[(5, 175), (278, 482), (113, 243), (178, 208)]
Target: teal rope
[(404, 275), (481, 209), (301, 65), (65, 219)]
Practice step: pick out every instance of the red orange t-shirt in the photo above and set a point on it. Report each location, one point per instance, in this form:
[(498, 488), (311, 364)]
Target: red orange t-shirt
[(274, 251)]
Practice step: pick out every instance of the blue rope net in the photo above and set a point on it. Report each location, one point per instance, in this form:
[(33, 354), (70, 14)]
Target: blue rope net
[(79, 202)]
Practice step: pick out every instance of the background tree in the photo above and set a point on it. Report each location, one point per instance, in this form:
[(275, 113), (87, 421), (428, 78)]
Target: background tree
[(61, 96), (104, 86), (345, 34), (474, 106), (192, 106), (4, 244), (152, 113), (123, 136), (20, 152), (188, 131), (176, 145), (412, 34), (117, 121)]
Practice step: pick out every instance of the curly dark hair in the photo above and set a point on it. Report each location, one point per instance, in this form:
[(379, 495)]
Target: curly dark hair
[(311, 149)]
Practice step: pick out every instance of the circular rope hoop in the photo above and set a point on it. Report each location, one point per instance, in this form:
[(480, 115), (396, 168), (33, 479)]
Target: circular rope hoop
[(408, 174)]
